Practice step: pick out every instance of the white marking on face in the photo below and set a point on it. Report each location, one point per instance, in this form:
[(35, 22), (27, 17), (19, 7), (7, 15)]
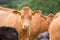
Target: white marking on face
[(25, 24)]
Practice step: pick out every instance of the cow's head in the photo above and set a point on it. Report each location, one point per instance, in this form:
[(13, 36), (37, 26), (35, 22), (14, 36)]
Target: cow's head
[(26, 16)]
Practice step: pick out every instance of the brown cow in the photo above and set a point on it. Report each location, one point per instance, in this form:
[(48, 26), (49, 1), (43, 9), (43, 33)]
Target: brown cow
[(8, 17), (26, 16), (39, 24), (54, 28), (35, 24), (13, 20), (4, 12)]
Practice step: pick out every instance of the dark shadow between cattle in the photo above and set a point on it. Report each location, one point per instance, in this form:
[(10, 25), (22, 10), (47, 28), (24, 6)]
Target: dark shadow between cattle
[(8, 33)]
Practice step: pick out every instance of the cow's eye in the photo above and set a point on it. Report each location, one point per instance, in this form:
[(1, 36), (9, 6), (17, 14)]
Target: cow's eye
[(30, 17), (22, 17)]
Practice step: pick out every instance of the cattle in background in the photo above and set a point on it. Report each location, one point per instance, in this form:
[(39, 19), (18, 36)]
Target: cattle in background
[(43, 36), (35, 24), (4, 12), (6, 9), (48, 21), (39, 24), (54, 28), (57, 15), (13, 20), (8, 33)]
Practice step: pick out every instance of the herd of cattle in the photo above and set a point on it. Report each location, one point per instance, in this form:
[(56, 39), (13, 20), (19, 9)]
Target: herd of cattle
[(26, 24)]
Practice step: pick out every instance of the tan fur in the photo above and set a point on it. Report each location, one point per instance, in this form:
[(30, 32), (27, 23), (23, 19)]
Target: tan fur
[(6, 9), (39, 24), (8, 18), (57, 14), (26, 13), (4, 12), (54, 28), (13, 20)]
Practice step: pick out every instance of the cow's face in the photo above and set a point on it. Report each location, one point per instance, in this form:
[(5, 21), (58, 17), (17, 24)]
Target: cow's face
[(26, 17), (26, 21)]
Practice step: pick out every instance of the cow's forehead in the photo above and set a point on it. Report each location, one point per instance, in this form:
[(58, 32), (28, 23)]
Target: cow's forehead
[(25, 12), (25, 8)]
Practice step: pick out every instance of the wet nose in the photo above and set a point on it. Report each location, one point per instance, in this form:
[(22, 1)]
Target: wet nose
[(25, 27)]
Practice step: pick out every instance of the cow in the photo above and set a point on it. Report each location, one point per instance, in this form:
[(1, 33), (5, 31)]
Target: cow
[(5, 15), (39, 24), (8, 33), (54, 28), (4, 12), (43, 36), (13, 20)]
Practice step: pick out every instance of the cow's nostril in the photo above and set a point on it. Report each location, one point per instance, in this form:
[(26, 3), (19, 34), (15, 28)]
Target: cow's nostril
[(25, 27)]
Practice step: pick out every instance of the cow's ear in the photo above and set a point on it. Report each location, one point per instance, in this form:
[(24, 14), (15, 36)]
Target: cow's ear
[(44, 17), (16, 12), (51, 15), (37, 12)]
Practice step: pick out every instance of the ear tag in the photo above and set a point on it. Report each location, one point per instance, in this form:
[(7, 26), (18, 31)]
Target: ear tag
[(17, 14), (35, 13)]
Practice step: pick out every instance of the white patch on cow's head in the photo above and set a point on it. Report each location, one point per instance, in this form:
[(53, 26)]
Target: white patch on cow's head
[(26, 24)]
